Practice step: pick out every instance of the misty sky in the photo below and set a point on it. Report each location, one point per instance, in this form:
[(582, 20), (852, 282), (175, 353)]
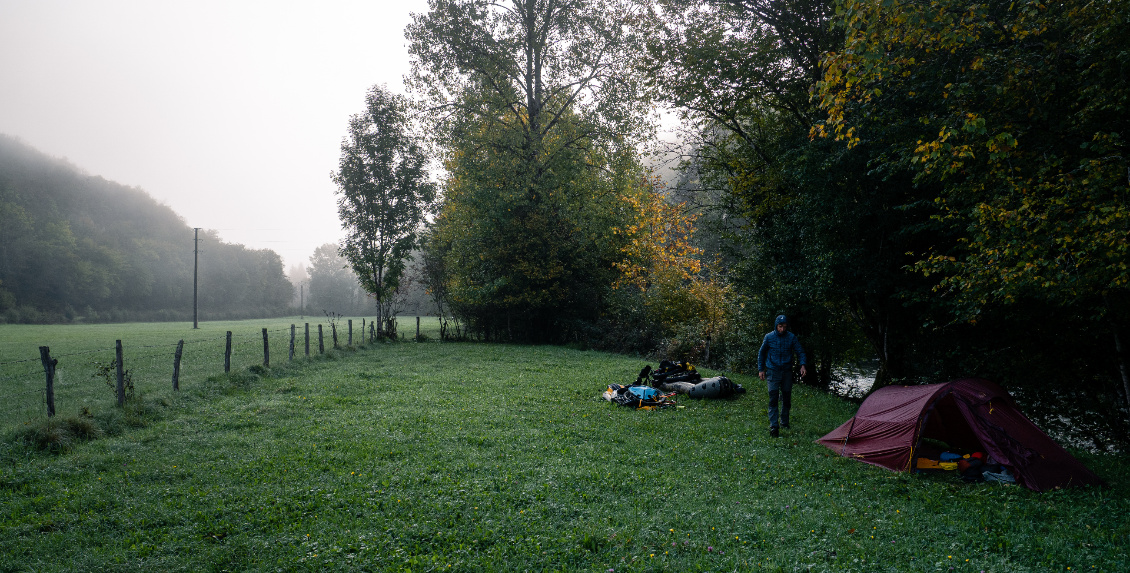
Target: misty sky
[(231, 112)]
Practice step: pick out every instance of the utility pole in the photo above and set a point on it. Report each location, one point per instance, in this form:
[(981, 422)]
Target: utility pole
[(195, 273)]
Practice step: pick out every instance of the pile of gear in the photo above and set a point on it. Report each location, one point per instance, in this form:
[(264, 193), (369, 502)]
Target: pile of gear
[(639, 397), (654, 389), (973, 467)]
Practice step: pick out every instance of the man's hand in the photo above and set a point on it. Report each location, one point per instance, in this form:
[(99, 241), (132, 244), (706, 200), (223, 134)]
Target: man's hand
[(761, 374), (803, 370)]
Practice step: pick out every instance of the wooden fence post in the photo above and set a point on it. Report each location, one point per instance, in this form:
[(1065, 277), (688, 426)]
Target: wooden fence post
[(176, 365), (321, 341), (372, 332), (121, 375), (351, 332), (266, 350), (333, 333), (417, 329), (307, 340), (291, 357), (362, 330), (49, 370), (227, 355)]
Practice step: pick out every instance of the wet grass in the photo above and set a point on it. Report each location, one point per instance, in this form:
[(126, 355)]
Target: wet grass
[(490, 457), (148, 355)]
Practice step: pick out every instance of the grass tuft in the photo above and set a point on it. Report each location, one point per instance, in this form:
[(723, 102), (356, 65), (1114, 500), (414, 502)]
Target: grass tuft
[(58, 435)]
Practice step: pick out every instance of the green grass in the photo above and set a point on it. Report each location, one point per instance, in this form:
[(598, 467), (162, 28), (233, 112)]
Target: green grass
[(489, 457), (148, 352)]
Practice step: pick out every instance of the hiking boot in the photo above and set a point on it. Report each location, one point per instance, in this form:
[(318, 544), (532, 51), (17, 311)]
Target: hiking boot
[(774, 433)]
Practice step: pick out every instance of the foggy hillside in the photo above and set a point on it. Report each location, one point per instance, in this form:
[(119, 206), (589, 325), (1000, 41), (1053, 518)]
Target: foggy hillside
[(74, 246)]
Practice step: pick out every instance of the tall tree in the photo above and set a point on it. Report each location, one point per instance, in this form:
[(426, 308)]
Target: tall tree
[(532, 267), (812, 228), (384, 193), (529, 63), (1016, 113), (538, 108)]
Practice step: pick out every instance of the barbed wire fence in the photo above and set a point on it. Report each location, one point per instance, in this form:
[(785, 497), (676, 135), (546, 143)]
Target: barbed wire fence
[(80, 381)]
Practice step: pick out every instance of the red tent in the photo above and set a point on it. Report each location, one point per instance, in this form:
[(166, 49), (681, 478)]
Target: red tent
[(969, 414)]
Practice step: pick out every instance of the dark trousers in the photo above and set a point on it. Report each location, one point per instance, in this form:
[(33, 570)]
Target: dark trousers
[(780, 381)]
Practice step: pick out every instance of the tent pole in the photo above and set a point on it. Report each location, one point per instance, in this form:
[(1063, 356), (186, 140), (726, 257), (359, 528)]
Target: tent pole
[(911, 463), (843, 452)]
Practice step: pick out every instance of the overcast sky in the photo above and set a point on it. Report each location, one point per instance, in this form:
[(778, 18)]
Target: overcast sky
[(231, 112)]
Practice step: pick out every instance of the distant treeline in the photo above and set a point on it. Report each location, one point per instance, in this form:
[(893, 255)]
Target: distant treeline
[(329, 285), (76, 247)]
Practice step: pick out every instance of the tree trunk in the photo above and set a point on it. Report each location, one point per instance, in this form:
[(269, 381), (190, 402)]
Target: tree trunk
[(1119, 351), (875, 326), (380, 319), (813, 369), (1121, 357)]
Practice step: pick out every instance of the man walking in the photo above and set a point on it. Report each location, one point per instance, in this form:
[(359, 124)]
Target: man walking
[(775, 364)]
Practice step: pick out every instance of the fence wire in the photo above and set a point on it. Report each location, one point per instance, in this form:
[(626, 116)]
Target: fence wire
[(79, 383)]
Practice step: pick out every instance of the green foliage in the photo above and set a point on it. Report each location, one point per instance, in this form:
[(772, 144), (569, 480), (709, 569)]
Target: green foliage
[(1020, 113), (77, 247), (526, 261), (746, 65), (1012, 117), (333, 286), (383, 195), (806, 226), (433, 268), (530, 64), (109, 374), (969, 211), (537, 109)]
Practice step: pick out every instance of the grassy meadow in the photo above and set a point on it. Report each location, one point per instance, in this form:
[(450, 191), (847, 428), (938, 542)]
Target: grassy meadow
[(475, 457), (148, 353)]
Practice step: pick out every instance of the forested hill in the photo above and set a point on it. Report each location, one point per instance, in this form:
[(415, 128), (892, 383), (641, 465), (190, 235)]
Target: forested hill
[(75, 246)]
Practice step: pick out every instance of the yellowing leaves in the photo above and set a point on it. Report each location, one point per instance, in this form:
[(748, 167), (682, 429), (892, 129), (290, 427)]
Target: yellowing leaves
[(658, 240)]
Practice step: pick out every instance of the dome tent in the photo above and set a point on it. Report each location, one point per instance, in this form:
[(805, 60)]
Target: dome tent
[(970, 414)]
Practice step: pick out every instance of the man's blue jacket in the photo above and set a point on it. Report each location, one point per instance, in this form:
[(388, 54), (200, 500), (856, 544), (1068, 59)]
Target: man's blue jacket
[(777, 351)]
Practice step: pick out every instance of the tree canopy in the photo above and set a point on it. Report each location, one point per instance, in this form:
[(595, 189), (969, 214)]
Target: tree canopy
[(942, 180), (1014, 115), (1019, 113), (538, 108), (75, 246), (384, 193), (941, 186)]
